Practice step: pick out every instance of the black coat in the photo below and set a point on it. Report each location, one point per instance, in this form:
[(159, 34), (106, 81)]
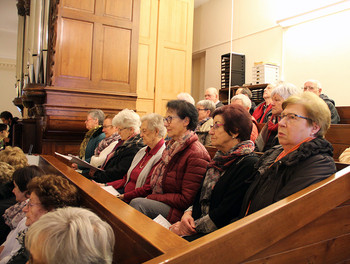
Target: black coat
[(310, 163)]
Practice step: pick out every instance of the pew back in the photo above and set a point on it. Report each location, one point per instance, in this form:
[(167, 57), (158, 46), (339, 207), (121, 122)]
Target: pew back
[(138, 238), (339, 136), (344, 114)]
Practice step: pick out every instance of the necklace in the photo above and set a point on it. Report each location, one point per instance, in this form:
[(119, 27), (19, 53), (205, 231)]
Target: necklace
[(143, 161)]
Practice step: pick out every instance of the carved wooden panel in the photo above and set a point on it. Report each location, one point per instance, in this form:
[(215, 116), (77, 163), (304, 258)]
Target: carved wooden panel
[(87, 5), (119, 8)]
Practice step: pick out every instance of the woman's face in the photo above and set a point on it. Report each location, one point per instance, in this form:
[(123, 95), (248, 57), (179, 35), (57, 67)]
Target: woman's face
[(148, 136), (90, 123), (292, 129), (20, 196), (34, 210), (108, 129), (176, 127), (219, 137), (125, 132), (202, 112), (276, 104), (4, 133)]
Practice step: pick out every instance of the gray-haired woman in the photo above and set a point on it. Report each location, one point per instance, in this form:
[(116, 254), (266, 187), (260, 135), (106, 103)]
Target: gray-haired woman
[(205, 108)]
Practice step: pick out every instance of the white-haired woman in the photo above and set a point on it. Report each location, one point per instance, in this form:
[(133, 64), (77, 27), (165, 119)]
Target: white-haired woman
[(268, 135), (119, 160), (70, 235), (204, 108), (136, 183)]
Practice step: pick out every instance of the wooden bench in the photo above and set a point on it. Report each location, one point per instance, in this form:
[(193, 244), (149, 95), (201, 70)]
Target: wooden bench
[(344, 114), (138, 238), (339, 136)]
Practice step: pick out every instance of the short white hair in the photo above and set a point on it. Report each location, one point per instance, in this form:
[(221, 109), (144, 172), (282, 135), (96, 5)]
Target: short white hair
[(127, 118), (71, 235), (213, 90), (316, 83), (155, 121), (207, 104), (97, 114), (245, 100), (285, 90), (186, 97)]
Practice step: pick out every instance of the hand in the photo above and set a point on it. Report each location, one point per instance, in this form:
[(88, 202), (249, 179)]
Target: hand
[(187, 224), (100, 184), (121, 197), (74, 166)]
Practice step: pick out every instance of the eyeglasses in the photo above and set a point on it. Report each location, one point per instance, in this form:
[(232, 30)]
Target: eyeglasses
[(30, 204), (169, 119), (291, 117), (87, 120), (216, 126), (107, 126), (121, 129), (308, 88), (204, 109)]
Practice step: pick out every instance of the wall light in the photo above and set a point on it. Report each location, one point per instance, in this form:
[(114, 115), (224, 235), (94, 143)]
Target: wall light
[(314, 14)]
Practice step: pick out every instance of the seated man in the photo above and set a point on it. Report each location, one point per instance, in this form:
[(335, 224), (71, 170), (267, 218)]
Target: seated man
[(246, 91), (213, 95), (263, 111), (314, 86), (246, 103), (205, 108)]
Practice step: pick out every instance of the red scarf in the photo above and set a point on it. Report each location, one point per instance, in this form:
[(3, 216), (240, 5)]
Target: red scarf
[(260, 113)]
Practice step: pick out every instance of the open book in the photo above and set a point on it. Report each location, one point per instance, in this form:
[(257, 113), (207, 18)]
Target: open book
[(77, 160), (162, 221), (111, 190)]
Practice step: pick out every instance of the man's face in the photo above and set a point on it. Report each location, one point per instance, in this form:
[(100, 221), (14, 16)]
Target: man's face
[(209, 95), (312, 87)]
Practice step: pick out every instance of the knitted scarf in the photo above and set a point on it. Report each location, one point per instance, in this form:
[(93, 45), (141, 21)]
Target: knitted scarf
[(169, 152), (14, 214), (105, 143), (87, 137), (216, 169)]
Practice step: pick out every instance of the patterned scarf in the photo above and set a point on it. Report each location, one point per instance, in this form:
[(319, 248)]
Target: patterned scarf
[(272, 125), (105, 143), (216, 169), (200, 123), (14, 214), (87, 137), (169, 152)]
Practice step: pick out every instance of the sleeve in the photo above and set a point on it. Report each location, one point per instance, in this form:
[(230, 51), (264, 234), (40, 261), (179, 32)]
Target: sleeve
[(335, 119), (311, 171), (195, 168), (118, 183), (141, 191)]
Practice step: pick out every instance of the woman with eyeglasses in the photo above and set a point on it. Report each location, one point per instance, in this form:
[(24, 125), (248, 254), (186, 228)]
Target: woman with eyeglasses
[(303, 158), (267, 137), (225, 183), (118, 161), (205, 109), (47, 193), (178, 176)]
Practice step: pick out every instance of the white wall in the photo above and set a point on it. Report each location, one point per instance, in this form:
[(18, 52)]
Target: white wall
[(318, 49)]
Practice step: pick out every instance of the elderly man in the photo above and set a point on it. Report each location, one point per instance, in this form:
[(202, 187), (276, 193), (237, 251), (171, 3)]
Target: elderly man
[(314, 86), (204, 108), (246, 91), (246, 103), (213, 95)]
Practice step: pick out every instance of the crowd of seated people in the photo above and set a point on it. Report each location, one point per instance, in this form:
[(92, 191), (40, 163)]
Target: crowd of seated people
[(175, 177)]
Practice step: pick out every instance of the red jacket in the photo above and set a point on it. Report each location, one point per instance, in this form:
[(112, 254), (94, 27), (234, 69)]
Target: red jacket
[(182, 178)]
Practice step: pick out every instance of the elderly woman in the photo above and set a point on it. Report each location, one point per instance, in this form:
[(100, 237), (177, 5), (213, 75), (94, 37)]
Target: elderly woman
[(268, 135), (225, 182), (303, 158), (136, 183), (177, 178), (205, 109), (119, 160), (262, 112), (244, 101), (47, 193), (93, 137), (50, 241), (14, 214), (107, 144), (4, 133)]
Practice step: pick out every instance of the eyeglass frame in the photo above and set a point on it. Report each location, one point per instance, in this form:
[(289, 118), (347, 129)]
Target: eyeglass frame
[(169, 119), (216, 126), (204, 109), (30, 204), (281, 116)]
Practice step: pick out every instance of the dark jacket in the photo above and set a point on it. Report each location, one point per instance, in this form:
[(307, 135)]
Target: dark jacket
[(93, 143), (182, 178), (119, 164), (310, 163), (228, 193), (335, 119)]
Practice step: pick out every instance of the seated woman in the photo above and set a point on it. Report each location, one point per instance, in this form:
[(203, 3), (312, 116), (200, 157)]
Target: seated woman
[(107, 144), (14, 214), (225, 183), (303, 158), (136, 182), (4, 133), (47, 193), (44, 235), (205, 109), (92, 138), (177, 178), (267, 137), (119, 160)]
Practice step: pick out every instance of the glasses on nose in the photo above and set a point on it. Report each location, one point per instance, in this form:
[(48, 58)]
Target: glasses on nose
[(87, 120), (203, 109), (216, 126), (30, 204), (121, 129), (169, 119), (308, 88), (290, 117), (107, 126)]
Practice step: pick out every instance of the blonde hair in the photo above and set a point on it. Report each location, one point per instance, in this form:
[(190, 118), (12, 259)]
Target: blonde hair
[(316, 109), (14, 156), (71, 235), (6, 171)]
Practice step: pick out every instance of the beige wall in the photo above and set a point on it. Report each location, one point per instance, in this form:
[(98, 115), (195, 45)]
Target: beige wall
[(317, 49)]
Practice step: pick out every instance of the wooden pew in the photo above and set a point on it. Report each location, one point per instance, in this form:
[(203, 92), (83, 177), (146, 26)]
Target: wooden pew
[(138, 238), (311, 226), (344, 114), (339, 136)]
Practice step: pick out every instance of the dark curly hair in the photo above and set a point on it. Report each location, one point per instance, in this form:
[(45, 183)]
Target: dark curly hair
[(54, 191), (185, 109)]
